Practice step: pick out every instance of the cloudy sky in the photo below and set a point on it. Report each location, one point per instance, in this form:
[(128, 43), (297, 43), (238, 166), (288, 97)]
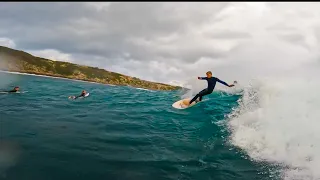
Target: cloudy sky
[(168, 42)]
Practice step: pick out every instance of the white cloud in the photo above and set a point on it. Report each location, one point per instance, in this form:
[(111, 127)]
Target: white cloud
[(7, 42), (52, 54), (169, 42), (98, 5)]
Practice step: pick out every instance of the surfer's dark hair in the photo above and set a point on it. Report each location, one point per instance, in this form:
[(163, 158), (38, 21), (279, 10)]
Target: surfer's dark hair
[(209, 72)]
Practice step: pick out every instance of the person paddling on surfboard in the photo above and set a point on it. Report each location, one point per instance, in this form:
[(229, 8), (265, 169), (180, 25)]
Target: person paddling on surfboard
[(211, 84), (15, 89), (83, 94)]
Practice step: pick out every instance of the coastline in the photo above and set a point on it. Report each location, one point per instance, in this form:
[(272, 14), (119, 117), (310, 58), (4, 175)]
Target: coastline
[(55, 77), (79, 80), (20, 62)]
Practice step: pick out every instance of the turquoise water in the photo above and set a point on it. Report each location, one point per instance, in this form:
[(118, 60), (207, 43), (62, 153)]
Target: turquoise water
[(116, 133)]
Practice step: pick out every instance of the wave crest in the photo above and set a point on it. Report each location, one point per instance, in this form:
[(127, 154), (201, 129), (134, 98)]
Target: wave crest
[(278, 121)]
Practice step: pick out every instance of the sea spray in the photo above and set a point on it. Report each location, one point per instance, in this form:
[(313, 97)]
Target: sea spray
[(278, 122)]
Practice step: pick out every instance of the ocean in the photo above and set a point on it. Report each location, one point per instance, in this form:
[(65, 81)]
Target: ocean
[(125, 133)]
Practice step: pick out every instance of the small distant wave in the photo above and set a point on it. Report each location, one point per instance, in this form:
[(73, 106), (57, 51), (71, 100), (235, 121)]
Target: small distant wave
[(145, 89)]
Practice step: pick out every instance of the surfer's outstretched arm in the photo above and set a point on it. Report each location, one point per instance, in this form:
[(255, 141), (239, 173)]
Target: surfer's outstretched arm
[(202, 78), (224, 83)]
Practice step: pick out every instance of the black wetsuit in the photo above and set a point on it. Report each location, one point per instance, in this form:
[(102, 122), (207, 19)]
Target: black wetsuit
[(12, 91), (211, 84), (81, 95)]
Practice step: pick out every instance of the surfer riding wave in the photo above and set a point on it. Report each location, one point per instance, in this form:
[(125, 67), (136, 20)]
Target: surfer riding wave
[(211, 85)]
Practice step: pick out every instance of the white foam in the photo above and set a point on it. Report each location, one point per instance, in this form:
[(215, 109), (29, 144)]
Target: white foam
[(278, 121), (144, 89)]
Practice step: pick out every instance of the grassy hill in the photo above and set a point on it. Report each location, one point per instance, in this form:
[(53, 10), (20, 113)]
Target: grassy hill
[(19, 61)]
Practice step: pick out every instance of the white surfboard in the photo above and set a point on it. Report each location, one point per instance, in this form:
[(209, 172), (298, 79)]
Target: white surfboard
[(183, 103)]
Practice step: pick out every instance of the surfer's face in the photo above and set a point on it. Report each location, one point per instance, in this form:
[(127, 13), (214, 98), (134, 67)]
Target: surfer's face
[(16, 88), (209, 75)]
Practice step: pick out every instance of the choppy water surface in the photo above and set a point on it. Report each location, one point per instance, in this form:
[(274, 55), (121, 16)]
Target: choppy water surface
[(117, 133)]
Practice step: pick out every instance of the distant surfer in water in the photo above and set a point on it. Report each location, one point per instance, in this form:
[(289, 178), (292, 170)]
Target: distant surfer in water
[(211, 84), (83, 94), (15, 89)]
